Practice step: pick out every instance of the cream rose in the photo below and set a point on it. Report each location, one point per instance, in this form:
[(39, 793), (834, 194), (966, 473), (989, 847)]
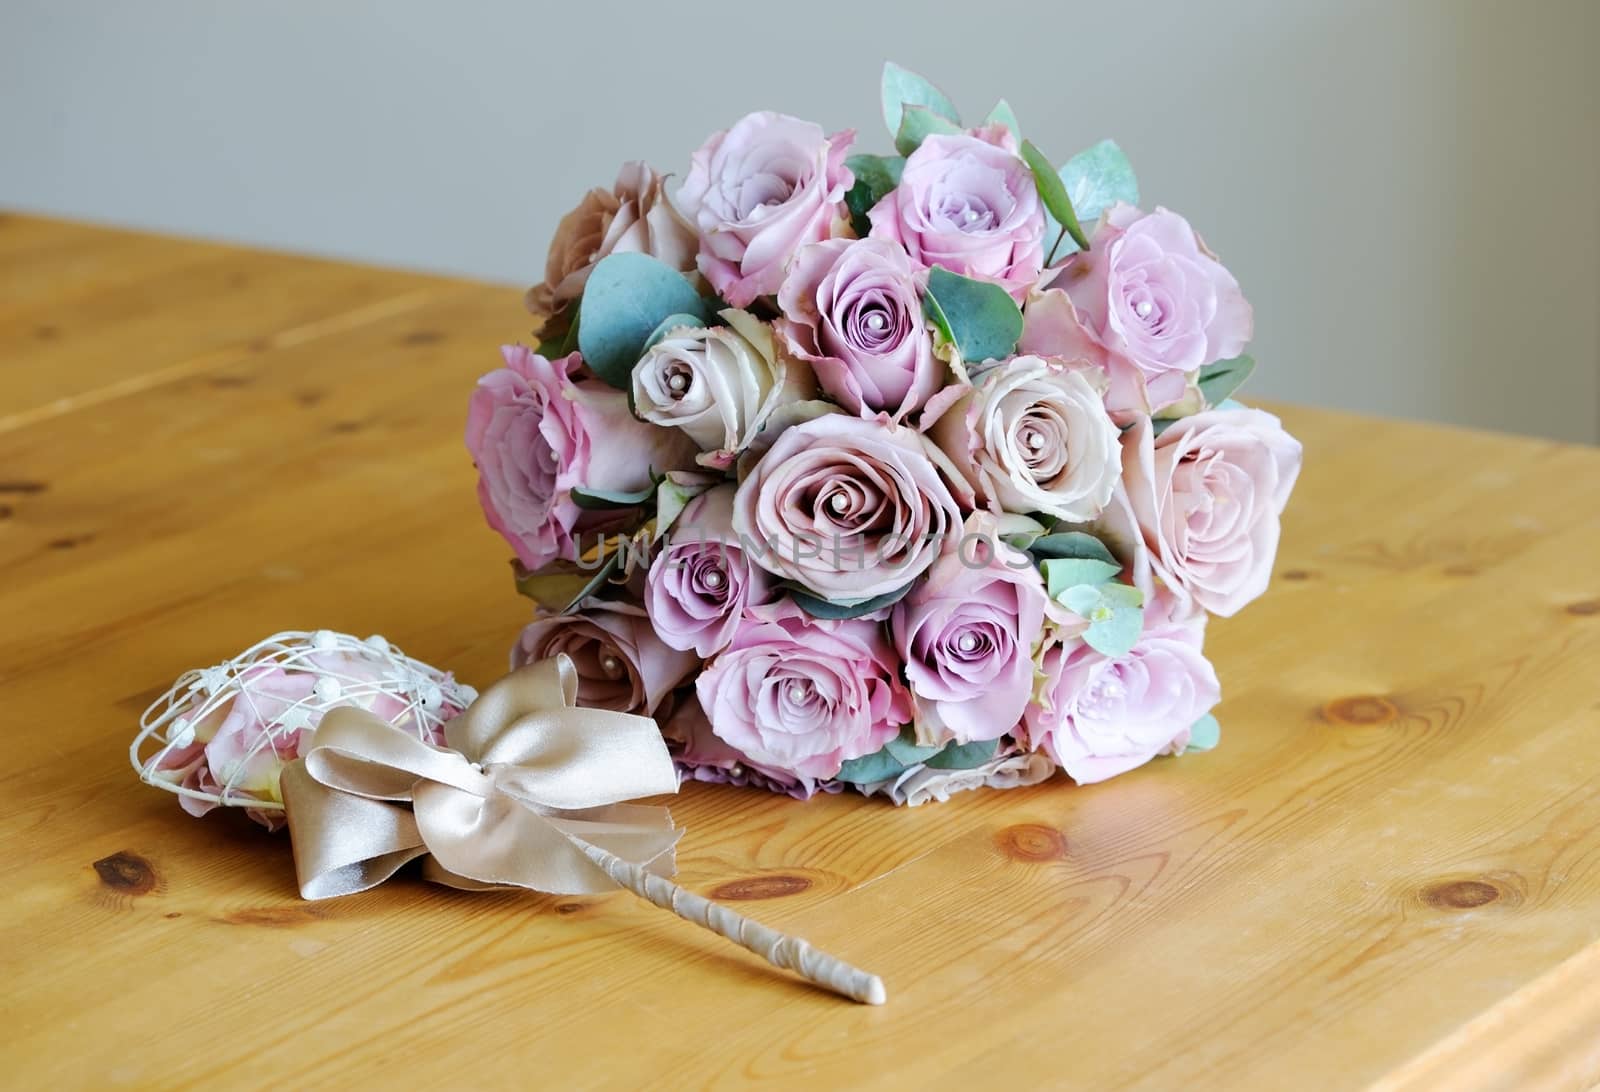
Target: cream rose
[(634, 216), (1031, 435), (718, 384)]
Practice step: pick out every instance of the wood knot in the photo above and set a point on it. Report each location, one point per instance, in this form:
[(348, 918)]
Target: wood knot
[(271, 915), (1467, 894), (69, 542), (1360, 709), (761, 887), (1584, 607), (1296, 574), (126, 873), (422, 337), (1032, 842)]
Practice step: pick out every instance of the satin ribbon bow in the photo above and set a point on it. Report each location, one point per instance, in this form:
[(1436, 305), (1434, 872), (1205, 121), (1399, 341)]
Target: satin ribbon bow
[(528, 776)]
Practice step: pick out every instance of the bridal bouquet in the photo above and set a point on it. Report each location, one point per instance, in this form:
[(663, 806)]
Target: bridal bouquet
[(908, 472)]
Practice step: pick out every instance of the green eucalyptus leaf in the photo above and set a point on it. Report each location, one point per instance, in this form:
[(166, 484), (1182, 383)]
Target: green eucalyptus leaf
[(902, 87), (831, 611), (879, 766), (625, 299), (979, 318), (603, 499), (1081, 599), (1061, 573), (1205, 734), (1097, 178), (875, 176), (963, 756), (1053, 194), (1219, 380), (905, 748), (1121, 595), (1115, 635), (1002, 114), (1113, 612), (918, 123), (1077, 544), (671, 323)]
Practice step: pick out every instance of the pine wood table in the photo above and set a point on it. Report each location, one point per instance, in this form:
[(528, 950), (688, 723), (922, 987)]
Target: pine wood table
[(1389, 873)]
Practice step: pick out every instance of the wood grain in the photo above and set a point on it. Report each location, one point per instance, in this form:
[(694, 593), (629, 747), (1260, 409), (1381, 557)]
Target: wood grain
[(1388, 874)]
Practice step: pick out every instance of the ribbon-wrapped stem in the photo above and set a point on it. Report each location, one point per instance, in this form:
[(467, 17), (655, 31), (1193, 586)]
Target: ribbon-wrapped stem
[(779, 949), (530, 792)]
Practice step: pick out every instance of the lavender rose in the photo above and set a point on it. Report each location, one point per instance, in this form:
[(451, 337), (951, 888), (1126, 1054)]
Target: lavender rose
[(967, 635), (970, 206), (621, 662), (759, 192), (718, 384), (805, 697), (850, 508), (1206, 495), (634, 216), (536, 433), (853, 310), (1149, 304), (1031, 435), (702, 582), (1102, 716)]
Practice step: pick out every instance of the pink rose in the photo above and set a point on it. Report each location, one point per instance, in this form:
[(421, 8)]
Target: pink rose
[(701, 756), (701, 581), (805, 697), (1148, 303), (621, 662), (970, 206), (759, 192), (634, 216), (1206, 496), (853, 309), (850, 508), (967, 634), (536, 433), (1104, 716)]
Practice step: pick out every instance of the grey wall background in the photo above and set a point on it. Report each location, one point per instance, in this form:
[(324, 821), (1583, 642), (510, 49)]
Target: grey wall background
[(1408, 191)]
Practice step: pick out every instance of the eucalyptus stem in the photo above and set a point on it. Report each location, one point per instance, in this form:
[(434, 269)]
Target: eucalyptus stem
[(1060, 235)]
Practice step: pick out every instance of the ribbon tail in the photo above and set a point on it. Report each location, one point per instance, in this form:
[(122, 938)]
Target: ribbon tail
[(343, 843)]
